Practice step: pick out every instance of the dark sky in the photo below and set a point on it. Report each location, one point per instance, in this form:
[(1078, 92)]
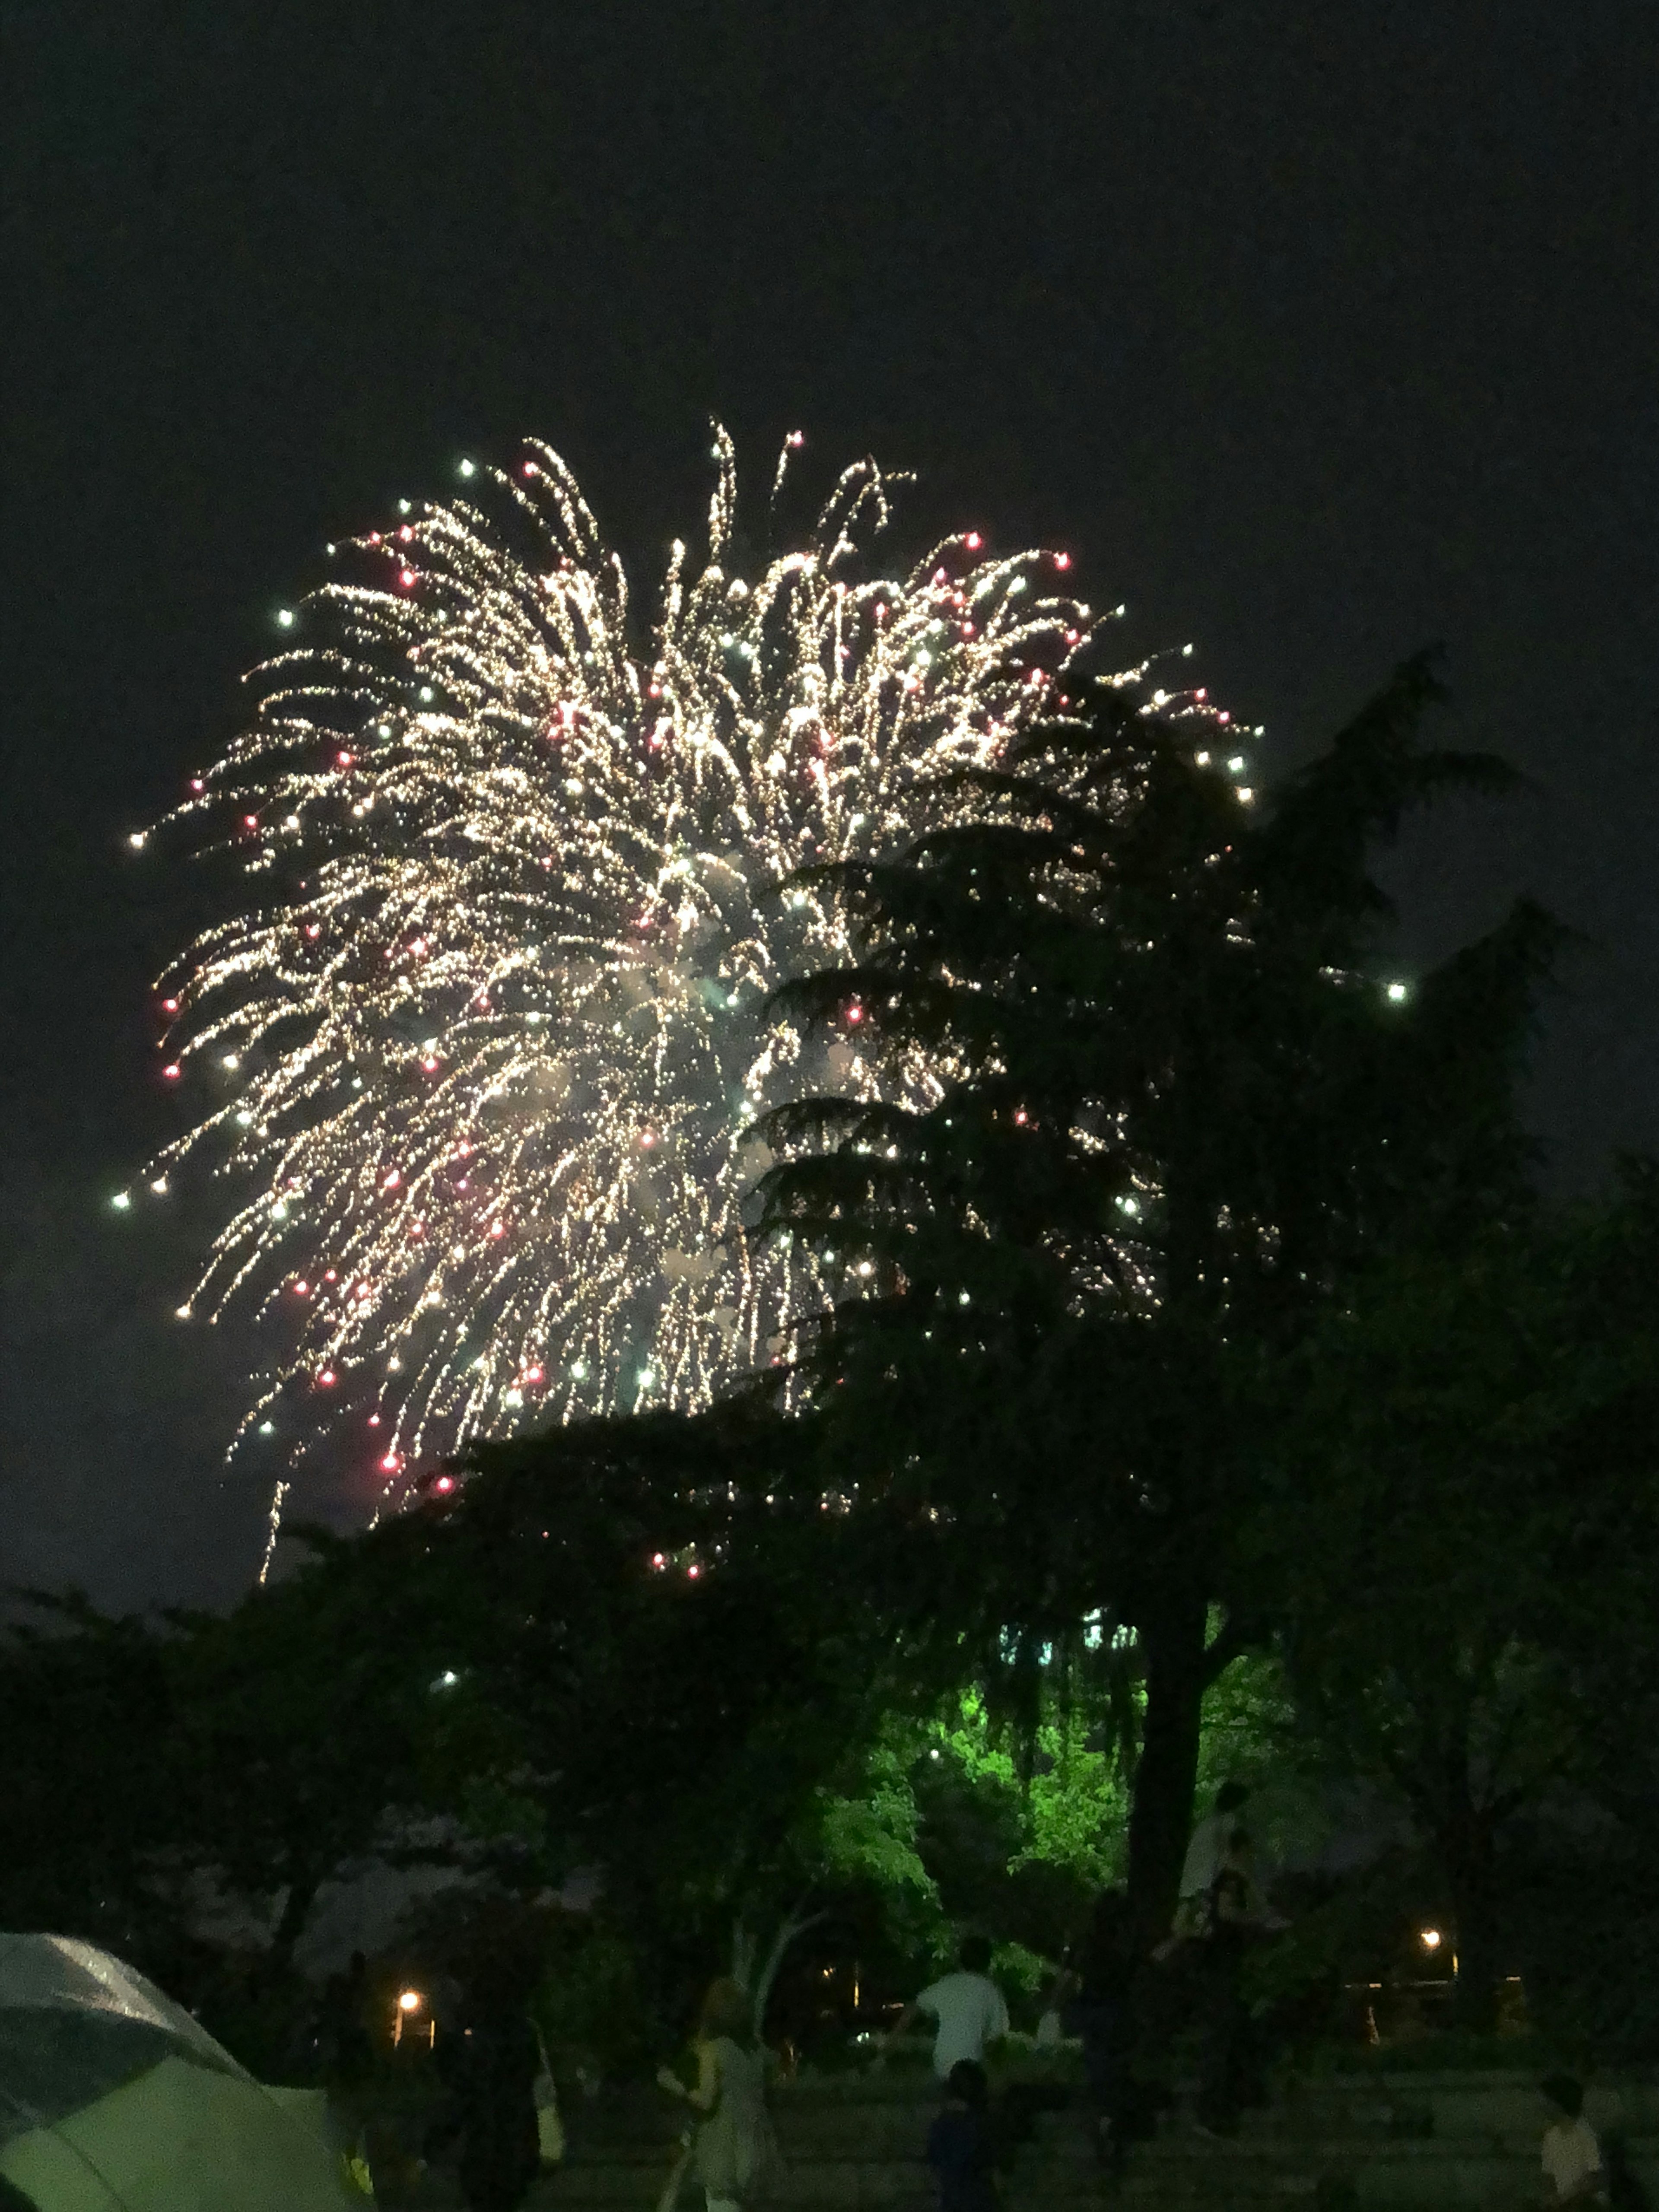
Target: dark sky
[(1316, 332)]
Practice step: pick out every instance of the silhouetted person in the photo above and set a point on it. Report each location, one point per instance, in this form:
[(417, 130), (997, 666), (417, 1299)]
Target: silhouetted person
[(494, 2087), (959, 2145), (1102, 1973)]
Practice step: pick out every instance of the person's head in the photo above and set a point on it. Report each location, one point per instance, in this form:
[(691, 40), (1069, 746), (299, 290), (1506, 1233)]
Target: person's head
[(726, 2011), (1230, 1796), (976, 1954), (966, 2082), (1565, 2094)]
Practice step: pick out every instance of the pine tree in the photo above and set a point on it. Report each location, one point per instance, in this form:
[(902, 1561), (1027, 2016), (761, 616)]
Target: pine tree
[(1175, 1103)]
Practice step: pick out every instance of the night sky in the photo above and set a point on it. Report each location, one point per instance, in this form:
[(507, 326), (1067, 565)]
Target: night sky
[(1316, 332)]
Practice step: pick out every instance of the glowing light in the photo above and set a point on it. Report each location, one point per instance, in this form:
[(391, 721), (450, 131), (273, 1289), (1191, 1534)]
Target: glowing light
[(546, 942), (444, 1484), (121, 1201), (1397, 993), (284, 617), (409, 2001), (136, 838), (1430, 1939)]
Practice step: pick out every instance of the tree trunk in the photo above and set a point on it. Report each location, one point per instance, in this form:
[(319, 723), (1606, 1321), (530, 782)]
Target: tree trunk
[(1172, 1641), (794, 1923), (1472, 1878), (291, 1921), (744, 1944)]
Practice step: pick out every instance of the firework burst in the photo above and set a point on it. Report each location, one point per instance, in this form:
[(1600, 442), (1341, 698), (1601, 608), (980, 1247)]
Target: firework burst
[(477, 1064)]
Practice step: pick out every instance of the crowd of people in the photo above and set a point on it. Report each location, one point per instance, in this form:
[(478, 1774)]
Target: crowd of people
[(1126, 2006)]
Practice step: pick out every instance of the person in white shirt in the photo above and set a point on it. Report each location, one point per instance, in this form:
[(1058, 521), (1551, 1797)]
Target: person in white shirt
[(1571, 2151), (1210, 1849), (966, 2006)]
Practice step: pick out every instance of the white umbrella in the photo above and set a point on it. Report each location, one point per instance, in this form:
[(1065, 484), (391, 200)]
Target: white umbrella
[(112, 2098)]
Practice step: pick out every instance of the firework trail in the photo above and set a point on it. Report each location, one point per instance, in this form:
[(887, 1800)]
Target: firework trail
[(476, 1066)]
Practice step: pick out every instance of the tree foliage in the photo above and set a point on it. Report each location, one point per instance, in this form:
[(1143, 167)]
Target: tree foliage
[(1176, 1105)]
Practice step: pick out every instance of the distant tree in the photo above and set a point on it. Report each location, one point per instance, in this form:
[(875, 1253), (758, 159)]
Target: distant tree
[(1463, 1542), (87, 1800)]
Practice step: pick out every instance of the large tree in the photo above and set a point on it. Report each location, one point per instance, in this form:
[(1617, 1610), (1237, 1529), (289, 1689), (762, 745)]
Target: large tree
[(1175, 1101)]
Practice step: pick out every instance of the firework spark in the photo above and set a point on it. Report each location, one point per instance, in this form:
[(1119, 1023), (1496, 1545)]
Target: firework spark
[(479, 1061)]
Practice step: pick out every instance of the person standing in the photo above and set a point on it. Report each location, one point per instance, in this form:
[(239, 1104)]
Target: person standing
[(1571, 2152), (1212, 1847), (494, 2087), (734, 2152), (967, 2008), (1103, 1970), (1226, 2069), (959, 2147)]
